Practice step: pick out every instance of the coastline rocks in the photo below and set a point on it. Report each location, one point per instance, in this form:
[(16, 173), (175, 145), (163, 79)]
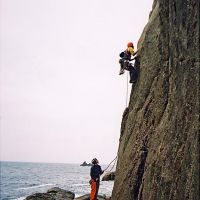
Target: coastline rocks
[(110, 176), (52, 194), (56, 193), (86, 164), (87, 197)]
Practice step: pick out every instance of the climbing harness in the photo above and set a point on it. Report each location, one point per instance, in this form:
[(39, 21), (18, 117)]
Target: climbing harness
[(115, 160)]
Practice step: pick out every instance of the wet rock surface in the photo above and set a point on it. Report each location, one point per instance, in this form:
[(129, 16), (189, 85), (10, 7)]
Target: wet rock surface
[(158, 155)]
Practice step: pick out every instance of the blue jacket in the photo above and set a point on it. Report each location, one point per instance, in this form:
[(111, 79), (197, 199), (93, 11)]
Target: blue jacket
[(95, 172)]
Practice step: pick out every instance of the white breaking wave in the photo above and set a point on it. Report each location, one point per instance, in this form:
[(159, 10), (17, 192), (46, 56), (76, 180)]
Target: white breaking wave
[(81, 184), (35, 186), (21, 198)]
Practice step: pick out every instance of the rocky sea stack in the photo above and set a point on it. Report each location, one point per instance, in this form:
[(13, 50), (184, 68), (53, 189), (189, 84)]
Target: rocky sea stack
[(158, 156), (85, 164)]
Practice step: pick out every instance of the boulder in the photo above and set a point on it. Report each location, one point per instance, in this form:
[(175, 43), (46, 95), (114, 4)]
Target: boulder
[(110, 176), (52, 194), (87, 197)]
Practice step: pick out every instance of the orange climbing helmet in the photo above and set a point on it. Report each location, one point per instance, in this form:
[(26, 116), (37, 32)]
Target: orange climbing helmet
[(130, 44)]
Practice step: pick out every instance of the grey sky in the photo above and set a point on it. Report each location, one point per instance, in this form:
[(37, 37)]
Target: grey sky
[(61, 96)]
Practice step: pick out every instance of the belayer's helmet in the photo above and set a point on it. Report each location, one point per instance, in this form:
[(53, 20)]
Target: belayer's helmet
[(95, 161), (130, 44)]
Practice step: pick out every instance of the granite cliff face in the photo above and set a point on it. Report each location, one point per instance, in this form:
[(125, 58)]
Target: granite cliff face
[(158, 156)]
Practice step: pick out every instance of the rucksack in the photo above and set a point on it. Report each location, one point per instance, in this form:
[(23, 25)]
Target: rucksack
[(122, 54)]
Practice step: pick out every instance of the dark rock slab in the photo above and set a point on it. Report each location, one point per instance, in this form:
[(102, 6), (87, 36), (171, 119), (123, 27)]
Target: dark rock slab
[(110, 176), (52, 194)]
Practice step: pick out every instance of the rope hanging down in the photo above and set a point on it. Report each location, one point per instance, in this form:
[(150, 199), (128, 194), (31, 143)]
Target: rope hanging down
[(113, 165), (110, 164), (127, 91)]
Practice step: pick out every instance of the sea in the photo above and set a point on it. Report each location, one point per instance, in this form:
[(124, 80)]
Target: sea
[(19, 180)]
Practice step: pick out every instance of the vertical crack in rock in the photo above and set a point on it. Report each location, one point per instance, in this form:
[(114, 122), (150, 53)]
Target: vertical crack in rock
[(140, 172)]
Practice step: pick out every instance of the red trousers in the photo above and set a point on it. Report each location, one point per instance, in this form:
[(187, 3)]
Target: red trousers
[(94, 190)]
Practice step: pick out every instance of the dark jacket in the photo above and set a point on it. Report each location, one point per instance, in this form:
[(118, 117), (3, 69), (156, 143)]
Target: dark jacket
[(95, 172), (125, 55)]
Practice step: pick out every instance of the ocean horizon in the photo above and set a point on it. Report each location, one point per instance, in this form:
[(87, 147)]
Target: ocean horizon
[(21, 179)]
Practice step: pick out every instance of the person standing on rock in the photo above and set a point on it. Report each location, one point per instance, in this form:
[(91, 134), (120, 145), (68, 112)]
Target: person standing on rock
[(95, 173)]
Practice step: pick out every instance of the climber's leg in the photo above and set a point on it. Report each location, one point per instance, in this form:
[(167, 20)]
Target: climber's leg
[(133, 74)]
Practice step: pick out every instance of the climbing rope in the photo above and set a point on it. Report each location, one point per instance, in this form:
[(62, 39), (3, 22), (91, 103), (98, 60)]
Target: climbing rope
[(113, 165), (115, 160), (127, 91)]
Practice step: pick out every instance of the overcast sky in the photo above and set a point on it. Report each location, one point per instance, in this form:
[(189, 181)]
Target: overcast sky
[(62, 99)]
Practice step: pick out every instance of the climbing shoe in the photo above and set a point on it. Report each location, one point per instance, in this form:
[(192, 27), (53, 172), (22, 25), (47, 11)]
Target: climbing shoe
[(132, 81), (121, 72)]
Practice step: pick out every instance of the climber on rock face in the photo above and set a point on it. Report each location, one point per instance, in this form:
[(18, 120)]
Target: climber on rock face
[(125, 63)]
